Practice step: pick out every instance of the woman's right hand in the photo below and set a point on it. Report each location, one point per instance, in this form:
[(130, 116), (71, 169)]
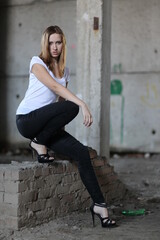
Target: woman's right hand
[(86, 116)]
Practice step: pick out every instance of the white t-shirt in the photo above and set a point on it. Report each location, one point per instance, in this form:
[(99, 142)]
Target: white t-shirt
[(37, 94)]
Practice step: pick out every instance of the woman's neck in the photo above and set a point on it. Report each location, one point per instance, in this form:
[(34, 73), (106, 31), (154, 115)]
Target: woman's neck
[(56, 68), (55, 61)]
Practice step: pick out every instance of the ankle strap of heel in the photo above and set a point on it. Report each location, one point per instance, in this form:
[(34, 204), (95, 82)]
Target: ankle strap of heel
[(34, 140), (104, 205)]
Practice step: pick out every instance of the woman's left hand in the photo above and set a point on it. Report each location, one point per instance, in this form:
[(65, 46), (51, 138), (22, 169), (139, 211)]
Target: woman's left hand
[(86, 116)]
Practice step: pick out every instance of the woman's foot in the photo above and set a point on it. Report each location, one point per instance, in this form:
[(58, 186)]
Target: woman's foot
[(103, 212), (100, 209), (41, 151)]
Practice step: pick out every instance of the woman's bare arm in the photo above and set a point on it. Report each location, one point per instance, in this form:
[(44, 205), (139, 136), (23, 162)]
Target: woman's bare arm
[(43, 76), (61, 99)]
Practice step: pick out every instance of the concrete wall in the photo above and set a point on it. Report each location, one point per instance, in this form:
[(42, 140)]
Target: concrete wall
[(22, 26), (135, 86)]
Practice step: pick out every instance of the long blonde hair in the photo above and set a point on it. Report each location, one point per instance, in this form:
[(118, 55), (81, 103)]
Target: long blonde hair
[(45, 54)]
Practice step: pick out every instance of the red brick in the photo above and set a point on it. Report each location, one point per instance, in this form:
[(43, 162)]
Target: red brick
[(98, 162), (103, 180), (92, 153), (103, 170)]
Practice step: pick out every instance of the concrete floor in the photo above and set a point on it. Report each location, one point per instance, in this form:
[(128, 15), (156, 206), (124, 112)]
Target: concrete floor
[(140, 173), (141, 176)]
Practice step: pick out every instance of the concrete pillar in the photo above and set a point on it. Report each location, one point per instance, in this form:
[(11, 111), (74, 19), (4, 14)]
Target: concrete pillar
[(105, 78), (93, 70), (3, 72)]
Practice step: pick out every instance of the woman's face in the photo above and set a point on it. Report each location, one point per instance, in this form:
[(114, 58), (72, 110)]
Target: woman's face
[(55, 45)]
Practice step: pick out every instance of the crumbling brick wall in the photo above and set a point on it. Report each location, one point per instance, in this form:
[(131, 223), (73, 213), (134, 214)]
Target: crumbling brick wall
[(32, 193)]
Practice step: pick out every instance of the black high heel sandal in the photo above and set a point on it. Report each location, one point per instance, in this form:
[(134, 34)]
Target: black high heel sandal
[(42, 158), (105, 222)]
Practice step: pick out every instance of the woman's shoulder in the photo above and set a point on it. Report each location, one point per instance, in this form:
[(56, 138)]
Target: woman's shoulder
[(37, 59)]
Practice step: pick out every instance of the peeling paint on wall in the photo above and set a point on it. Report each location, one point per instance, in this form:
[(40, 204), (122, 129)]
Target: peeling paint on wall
[(85, 17), (151, 97), (116, 87), (117, 68)]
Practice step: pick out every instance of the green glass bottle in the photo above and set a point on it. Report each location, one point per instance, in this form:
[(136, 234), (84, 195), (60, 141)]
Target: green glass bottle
[(136, 212)]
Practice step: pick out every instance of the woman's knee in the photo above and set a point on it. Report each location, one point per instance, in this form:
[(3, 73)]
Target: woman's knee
[(82, 155), (72, 107)]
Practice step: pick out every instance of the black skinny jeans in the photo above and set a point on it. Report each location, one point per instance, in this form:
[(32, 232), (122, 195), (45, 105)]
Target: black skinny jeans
[(45, 124)]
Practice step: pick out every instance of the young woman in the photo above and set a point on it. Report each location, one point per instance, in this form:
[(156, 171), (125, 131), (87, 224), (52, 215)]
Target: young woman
[(41, 118)]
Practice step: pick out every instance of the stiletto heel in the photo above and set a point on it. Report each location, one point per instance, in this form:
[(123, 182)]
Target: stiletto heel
[(31, 151), (92, 213), (42, 158), (106, 222)]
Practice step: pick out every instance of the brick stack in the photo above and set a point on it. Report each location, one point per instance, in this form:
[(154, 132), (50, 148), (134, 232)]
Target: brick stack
[(32, 193)]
